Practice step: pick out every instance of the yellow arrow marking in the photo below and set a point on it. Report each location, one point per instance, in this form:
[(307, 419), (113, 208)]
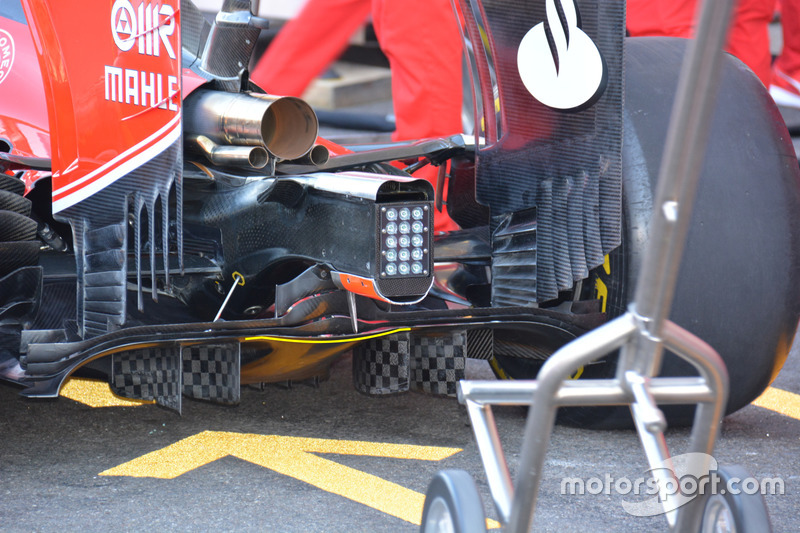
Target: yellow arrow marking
[(781, 401), (293, 457), (95, 393)]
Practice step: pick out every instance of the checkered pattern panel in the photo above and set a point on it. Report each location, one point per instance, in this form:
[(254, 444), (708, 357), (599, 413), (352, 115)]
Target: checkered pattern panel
[(211, 372), (148, 374), (381, 366), (480, 343), (438, 363)]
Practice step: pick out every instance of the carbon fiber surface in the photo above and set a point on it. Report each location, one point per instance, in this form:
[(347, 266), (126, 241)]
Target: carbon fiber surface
[(16, 227), (20, 294), (100, 227), (228, 57), (565, 164), (273, 231), (381, 366), (515, 259), (14, 255), (58, 305), (194, 31), (230, 44), (479, 343), (203, 372), (438, 362), (18, 247), (263, 231), (11, 184), (11, 201), (433, 363), (211, 372), (149, 374)]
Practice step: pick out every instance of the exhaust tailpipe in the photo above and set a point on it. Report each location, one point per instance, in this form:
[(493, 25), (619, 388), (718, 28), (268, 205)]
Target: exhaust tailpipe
[(231, 156), (318, 155), (286, 126)]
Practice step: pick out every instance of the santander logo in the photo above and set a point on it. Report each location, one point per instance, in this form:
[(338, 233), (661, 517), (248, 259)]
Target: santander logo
[(558, 63), (6, 54)]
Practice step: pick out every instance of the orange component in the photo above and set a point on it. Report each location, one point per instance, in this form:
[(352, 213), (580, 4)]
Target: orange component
[(359, 285)]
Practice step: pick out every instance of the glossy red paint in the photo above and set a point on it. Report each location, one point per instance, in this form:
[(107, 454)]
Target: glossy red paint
[(112, 85), (98, 126), (24, 128)]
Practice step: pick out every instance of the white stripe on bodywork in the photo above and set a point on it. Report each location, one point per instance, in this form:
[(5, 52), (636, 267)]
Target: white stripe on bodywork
[(121, 165)]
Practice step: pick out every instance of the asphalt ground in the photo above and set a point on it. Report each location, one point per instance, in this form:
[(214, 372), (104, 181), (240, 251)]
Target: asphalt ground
[(328, 458)]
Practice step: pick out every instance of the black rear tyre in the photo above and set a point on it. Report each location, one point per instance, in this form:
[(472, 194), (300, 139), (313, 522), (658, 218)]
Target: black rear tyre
[(739, 282)]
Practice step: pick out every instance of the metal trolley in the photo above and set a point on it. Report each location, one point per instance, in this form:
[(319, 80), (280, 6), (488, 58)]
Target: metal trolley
[(641, 334)]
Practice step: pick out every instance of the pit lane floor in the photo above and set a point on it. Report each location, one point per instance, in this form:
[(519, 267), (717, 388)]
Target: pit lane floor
[(327, 459)]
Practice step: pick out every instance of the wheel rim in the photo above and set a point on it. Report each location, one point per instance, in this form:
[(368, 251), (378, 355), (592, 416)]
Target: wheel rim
[(718, 516), (439, 519)]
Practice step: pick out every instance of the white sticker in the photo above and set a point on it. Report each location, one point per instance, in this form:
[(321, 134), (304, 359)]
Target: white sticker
[(568, 74), (6, 54)]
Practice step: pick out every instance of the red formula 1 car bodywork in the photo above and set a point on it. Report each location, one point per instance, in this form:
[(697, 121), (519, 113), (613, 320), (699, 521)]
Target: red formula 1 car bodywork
[(165, 223)]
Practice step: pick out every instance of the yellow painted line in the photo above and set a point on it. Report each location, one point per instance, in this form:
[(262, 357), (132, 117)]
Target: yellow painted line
[(96, 393), (781, 401), (326, 341), (295, 457)]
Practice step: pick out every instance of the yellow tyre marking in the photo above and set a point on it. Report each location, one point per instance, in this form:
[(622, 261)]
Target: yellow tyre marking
[(601, 289), (499, 372)]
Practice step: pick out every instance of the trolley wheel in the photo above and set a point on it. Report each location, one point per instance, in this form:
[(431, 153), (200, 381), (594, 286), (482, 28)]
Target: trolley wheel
[(453, 505), (726, 512)]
